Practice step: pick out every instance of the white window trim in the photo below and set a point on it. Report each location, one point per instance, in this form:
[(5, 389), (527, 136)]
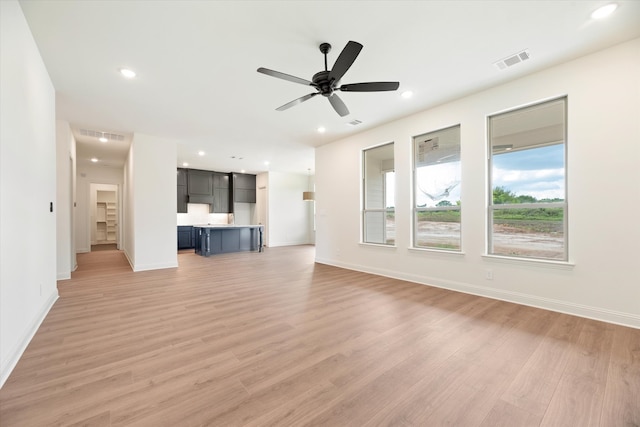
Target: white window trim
[(415, 210), (565, 205), (363, 210)]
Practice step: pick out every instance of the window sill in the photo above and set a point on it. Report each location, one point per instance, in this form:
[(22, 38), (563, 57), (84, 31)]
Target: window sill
[(378, 245), (436, 251), (560, 265)]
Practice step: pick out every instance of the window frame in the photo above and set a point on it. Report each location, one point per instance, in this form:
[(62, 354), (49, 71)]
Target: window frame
[(363, 199), (415, 209), (491, 207)]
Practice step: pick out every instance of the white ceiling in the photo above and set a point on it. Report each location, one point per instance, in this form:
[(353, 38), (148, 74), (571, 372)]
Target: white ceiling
[(197, 60)]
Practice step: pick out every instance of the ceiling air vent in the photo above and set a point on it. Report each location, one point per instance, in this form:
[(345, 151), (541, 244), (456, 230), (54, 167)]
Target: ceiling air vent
[(96, 134), (512, 60), (354, 122)]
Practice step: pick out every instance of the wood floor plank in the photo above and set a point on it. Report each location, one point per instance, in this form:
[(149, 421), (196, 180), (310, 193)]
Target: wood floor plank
[(533, 387), (274, 339), (622, 395), (504, 414), (579, 395)]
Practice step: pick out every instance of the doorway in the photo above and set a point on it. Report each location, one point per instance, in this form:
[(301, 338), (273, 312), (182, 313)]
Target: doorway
[(104, 213)]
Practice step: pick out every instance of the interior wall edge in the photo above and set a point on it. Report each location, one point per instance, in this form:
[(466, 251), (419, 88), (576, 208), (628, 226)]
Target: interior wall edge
[(129, 258), (27, 336)]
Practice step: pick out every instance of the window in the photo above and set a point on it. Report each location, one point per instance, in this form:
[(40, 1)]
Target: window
[(437, 190), (378, 215), (527, 192)]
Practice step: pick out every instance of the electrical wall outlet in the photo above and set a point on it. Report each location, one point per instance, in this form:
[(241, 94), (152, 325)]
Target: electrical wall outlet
[(488, 274)]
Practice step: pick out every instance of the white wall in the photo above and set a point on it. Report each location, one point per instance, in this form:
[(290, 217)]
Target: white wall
[(65, 184), (150, 187), (127, 219), (288, 215), (603, 92), (86, 175), (310, 208), (262, 204), (245, 213), (28, 186)]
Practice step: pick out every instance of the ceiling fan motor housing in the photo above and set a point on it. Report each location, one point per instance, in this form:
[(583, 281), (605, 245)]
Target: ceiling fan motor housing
[(321, 81)]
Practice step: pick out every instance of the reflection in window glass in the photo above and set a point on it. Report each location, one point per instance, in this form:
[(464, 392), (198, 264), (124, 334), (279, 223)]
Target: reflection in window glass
[(378, 217), (527, 209), (437, 190)]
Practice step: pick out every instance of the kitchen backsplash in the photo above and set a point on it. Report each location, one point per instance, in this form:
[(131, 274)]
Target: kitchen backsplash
[(199, 214)]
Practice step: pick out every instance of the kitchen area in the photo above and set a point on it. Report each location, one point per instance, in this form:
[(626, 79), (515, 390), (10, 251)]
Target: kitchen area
[(217, 212)]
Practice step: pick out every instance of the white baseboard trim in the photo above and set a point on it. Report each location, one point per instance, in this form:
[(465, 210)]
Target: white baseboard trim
[(296, 243), (580, 310), (65, 275), (147, 267), (16, 354)]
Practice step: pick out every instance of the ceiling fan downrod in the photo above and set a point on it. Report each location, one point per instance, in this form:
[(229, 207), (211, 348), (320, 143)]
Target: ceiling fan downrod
[(325, 48), (321, 79)]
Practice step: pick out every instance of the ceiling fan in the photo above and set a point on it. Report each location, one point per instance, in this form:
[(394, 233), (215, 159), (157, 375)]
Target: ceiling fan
[(326, 82)]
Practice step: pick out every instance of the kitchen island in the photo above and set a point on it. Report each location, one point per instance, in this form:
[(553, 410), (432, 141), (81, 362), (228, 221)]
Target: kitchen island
[(214, 239)]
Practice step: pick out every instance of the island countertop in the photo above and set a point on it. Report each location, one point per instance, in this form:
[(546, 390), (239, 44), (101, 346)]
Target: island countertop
[(227, 225)]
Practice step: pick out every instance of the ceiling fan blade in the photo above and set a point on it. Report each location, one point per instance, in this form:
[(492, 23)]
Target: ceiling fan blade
[(345, 60), (369, 87), (296, 101), (284, 76), (338, 105)]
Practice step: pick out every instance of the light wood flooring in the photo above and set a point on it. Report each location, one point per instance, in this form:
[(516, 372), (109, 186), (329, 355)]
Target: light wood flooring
[(273, 339)]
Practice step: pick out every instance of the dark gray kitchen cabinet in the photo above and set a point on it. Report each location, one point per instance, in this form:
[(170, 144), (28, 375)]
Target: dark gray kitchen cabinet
[(185, 237), (221, 193), (220, 180), (182, 177), (200, 187), (200, 183), (182, 198), (244, 188), (221, 200), (212, 239), (182, 190), (208, 187)]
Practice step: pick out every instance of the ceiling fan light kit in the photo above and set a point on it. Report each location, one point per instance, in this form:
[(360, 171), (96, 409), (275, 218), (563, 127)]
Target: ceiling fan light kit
[(326, 82)]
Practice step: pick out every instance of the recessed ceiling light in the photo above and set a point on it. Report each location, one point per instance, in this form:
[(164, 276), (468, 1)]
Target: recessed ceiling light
[(266, 163), (185, 164), (103, 139), (242, 171), (321, 129), (127, 73), (94, 160), (604, 11), (407, 94), (200, 153)]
